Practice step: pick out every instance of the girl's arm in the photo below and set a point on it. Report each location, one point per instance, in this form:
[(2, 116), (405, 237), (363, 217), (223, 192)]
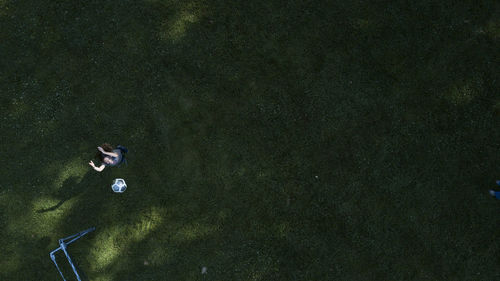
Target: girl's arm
[(112, 154), (99, 169)]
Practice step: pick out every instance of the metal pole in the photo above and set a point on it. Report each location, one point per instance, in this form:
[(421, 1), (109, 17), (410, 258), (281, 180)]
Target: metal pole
[(63, 246), (54, 260)]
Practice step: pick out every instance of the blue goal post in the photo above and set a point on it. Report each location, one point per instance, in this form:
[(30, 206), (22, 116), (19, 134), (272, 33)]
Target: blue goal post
[(63, 246)]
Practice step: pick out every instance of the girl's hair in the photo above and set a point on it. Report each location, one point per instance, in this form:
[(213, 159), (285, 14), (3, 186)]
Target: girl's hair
[(107, 147)]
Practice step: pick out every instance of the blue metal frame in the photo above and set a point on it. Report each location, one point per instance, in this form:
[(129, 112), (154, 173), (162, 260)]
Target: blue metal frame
[(63, 245)]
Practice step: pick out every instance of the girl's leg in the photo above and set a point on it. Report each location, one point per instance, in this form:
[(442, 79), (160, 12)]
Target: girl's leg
[(497, 194)]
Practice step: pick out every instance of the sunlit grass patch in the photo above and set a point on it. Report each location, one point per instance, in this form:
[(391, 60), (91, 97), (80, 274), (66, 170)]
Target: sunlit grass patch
[(110, 243), (28, 221), (463, 94), (175, 28), (107, 246), (178, 27), (146, 222), (193, 231)]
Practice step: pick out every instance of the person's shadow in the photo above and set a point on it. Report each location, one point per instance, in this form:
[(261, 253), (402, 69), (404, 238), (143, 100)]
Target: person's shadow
[(70, 189)]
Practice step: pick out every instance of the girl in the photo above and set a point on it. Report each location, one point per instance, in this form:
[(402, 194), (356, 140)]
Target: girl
[(109, 156)]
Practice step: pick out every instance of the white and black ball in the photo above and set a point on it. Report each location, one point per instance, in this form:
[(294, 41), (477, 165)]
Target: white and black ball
[(119, 185)]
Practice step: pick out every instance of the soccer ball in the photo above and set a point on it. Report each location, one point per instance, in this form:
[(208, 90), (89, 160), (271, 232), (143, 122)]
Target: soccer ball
[(119, 185)]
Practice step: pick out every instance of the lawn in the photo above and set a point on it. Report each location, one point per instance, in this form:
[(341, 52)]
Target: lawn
[(268, 140)]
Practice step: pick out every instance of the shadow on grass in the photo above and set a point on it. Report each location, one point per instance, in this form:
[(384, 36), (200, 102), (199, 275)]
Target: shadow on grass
[(68, 190)]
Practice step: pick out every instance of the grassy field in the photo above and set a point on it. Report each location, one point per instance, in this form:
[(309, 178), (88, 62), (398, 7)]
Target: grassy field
[(269, 140)]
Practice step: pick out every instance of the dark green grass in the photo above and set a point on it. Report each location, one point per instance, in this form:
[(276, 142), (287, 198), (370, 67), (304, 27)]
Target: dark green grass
[(269, 140)]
